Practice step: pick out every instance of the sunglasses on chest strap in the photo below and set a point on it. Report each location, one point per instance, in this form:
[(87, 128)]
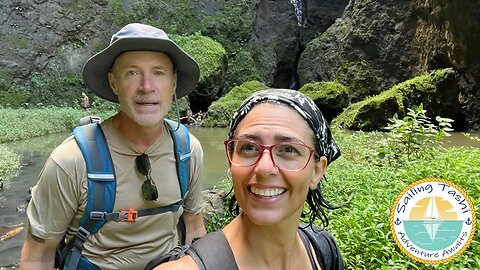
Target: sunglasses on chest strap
[(149, 190)]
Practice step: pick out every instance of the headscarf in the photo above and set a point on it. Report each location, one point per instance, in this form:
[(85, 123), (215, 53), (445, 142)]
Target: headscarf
[(324, 143)]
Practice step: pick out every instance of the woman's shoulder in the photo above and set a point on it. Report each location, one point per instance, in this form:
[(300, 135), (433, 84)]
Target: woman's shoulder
[(212, 251)]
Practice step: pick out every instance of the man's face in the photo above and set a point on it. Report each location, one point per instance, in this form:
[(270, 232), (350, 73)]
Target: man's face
[(144, 82)]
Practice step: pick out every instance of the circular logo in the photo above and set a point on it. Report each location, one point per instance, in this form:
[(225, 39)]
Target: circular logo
[(432, 221)]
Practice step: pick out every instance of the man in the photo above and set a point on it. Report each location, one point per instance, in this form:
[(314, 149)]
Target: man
[(142, 69), (85, 102)]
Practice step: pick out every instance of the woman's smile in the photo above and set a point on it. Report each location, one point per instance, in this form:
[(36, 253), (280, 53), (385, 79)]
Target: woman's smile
[(267, 192)]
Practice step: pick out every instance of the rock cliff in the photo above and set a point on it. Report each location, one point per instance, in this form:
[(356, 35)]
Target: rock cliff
[(367, 45)]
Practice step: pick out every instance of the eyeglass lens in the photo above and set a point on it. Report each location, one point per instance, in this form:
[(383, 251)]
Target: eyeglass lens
[(286, 156), (149, 190)]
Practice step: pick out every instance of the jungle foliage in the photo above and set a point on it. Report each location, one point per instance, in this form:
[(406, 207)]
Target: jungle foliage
[(362, 181)]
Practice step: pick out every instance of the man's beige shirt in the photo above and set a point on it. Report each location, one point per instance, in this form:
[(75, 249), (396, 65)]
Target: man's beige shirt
[(60, 196)]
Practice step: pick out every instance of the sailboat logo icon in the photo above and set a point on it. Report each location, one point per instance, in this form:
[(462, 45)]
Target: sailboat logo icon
[(432, 221)]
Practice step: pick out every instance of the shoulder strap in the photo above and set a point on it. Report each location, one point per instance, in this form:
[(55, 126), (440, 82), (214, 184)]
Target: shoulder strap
[(328, 254), (100, 173), (173, 255), (101, 184), (181, 141), (306, 243), (212, 252), (181, 145)]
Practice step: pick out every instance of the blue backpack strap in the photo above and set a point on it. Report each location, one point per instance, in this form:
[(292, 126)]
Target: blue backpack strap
[(181, 141), (101, 184)]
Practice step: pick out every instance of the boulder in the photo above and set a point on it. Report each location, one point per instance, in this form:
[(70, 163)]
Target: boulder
[(221, 111), (330, 97), (212, 59), (437, 91), (214, 201), (378, 44)]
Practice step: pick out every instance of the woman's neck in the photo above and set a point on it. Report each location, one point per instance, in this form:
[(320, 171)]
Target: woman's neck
[(262, 247)]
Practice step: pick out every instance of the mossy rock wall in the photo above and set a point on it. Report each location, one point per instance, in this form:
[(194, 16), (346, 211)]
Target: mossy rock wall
[(437, 91), (221, 111), (212, 59), (330, 97)]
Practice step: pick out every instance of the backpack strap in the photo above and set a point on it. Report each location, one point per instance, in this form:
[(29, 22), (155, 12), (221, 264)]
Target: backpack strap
[(181, 142), (101, 185), (173, 255), (213, 252), (328, 254), (307, 245)]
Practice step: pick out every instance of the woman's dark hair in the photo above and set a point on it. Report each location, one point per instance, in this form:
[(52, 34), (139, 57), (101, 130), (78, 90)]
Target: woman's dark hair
[(317, 202)]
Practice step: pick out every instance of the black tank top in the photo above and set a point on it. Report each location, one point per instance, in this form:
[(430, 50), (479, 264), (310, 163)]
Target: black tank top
[(220, 256)]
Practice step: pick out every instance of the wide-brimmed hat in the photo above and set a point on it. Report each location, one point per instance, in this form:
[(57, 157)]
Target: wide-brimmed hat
[(139, 37)]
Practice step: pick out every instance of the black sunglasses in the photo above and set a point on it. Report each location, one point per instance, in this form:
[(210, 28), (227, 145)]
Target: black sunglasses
[(149, 190)]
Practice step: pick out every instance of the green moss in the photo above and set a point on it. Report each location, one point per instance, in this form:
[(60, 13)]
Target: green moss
[(242, 68), (11, 95), (183, 107), (81, 9), (373, 112), (324, 90), (232, 26), (343, 28), (356, 76), (6, 79), (17, 41), (209, 54), (181, 17), (221, 111), (15, 97), (53, 86)]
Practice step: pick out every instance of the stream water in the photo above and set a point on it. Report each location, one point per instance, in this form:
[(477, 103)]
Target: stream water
[(36, 150)]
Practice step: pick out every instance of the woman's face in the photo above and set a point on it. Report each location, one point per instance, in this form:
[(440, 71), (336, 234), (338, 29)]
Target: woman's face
[(269, 195)]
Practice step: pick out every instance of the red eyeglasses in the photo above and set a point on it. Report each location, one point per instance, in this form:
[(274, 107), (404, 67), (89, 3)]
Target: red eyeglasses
[(287, 156)]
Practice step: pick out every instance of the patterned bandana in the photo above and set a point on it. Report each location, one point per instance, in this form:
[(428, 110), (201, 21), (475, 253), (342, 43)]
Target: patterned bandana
[(325, 145)]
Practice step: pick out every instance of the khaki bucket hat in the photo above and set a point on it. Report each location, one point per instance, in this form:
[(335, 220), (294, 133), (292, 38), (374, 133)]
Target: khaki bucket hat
[(139, 37)]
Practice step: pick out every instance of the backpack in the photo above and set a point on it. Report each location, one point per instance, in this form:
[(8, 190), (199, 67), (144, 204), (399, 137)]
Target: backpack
[(102, 187), (212, 252)]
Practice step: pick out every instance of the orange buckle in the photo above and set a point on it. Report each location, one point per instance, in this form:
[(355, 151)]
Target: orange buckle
[(128, 216)]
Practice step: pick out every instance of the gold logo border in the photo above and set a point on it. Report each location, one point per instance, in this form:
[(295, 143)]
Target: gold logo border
[(456, 254)]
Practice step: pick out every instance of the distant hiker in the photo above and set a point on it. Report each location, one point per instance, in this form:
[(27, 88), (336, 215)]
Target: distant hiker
[(138, 183), (278, 149), (85, 101)]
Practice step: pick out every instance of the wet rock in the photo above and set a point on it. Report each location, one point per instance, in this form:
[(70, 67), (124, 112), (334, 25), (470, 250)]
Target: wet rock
[(22, 208), (213, 203)]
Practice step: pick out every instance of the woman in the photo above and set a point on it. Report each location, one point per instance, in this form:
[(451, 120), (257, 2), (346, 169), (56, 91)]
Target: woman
[(278, 149)]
